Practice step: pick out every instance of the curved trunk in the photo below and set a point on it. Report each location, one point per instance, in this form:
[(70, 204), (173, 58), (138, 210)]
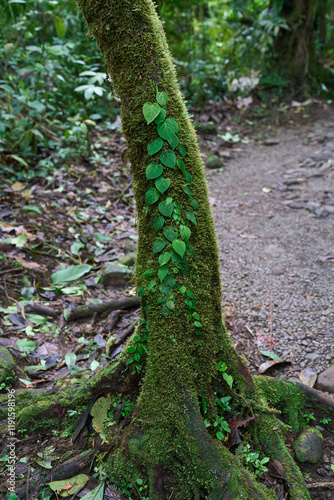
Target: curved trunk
[(177, 273)]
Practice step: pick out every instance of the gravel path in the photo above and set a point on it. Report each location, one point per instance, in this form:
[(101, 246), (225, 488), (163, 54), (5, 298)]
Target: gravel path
[(277, 246)]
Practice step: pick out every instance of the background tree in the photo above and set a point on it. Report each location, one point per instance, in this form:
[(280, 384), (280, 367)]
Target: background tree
[(300, 44)]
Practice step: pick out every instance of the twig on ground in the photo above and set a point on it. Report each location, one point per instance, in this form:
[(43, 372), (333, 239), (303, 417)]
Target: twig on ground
[(13, 270)]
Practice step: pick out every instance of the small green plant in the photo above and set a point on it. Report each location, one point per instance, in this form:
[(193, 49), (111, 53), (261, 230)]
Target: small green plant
[(309, 416), (252, 458), (325, 421), (6, 384)]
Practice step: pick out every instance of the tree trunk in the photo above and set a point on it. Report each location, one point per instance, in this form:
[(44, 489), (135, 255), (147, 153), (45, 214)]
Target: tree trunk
[(295, 49), (180, 345)]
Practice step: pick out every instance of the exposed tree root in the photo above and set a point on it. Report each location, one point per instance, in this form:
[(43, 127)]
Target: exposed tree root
[(212, 471)]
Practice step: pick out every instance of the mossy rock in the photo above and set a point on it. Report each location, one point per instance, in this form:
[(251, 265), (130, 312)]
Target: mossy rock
[(213, 162), (7, 364), (308, 445), (115, 274), (129, 259)]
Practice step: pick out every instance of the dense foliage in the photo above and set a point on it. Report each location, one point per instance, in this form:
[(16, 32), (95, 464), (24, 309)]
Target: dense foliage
[(52, 88)]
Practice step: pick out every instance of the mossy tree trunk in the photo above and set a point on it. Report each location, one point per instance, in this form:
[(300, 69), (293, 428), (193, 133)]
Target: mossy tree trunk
[(167, 441)]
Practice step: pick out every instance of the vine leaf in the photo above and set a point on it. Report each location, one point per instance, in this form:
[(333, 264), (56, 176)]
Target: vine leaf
[(151, 196), (162, 273), (155, 146), (188, 178), (194, 204), (179, 247), (181, 165), (168, 158), (186, 189), (162, 99), (141, 291), (185, 233), (164, 258), (182, 150), (167, 129), (151, 111), (161, 116), (148, 273), (173, 141), (158, 222), (162, 184), (158, 245), (166, 208), (154, 170), (171, 233), (191, 217), (151, 285)]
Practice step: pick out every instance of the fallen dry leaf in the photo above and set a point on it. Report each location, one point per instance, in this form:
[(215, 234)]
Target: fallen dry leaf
[(18, 186)]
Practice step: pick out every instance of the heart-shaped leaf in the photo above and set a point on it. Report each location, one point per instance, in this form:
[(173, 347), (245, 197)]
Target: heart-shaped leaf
[(188, 178), (164, 258), (155, 146), (166, 209), (168, 158), (171, 233), (185, 233), (162, 184), (162, 99), (158, 222), (151, 110), (167, 129), (179, 247), (162, 273), (158, 245), (151, 196), (154, 170)]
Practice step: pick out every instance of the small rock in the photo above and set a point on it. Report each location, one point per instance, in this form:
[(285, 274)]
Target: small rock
[(225, 154), (296, 204), (278, 270), (129, 259), (7, 364), (271, 141), (321, 213), (312, 356), (326, 380), (115, 275), (329, 208), (330, 202), (213, 161), (308, 162), (308, 445), (274, 250), (313, 206)]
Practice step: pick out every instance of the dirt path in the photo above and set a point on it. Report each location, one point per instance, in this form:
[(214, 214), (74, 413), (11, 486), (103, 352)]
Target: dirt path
[(274, 213)]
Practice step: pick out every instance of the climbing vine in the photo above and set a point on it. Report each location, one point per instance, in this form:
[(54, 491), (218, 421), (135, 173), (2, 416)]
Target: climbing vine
[(172, 244)]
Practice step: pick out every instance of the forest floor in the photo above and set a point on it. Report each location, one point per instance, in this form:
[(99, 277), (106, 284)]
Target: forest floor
[(272, 196)]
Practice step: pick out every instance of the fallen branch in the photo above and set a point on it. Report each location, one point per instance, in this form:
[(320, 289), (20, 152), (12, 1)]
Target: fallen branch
[(90, 309), (314, 486), (41, 310)]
